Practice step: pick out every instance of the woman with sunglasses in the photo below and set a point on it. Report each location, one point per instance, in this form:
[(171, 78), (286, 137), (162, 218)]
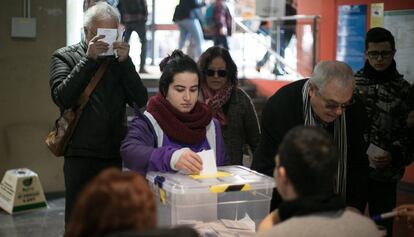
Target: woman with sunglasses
[(230, 104), (175, 126)]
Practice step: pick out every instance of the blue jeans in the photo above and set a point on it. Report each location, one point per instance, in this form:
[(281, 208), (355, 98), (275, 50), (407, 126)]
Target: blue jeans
[(191, 27)]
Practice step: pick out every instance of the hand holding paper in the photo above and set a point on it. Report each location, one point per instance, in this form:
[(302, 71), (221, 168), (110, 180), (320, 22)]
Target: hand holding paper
[(110, 37), (209, 162), (96, 47), (121, 50), (189, 162), (378, 158)]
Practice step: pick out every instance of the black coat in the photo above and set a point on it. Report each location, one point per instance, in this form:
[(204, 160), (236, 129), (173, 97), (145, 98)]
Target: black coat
[(284, 110), (184, 8), (102, 124)]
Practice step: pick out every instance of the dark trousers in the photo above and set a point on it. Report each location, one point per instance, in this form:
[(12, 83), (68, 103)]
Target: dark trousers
[(138, 27), (221, 40), (382, 198), (78, 171), (357, 187), (285, 37)]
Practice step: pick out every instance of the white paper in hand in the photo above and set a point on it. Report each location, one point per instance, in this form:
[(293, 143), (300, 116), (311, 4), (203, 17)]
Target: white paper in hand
[(110, 37), (374, 151), (209, 162)]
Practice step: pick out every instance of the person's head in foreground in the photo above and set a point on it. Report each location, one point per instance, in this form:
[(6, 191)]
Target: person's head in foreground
[(306, 164), (305, 173), (113, 201), (330, 89)]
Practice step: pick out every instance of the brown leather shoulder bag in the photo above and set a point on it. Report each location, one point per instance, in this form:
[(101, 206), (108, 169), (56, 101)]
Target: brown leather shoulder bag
[(57, 140)]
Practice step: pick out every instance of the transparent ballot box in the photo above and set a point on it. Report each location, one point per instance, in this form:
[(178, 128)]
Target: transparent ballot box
[(234, 193)]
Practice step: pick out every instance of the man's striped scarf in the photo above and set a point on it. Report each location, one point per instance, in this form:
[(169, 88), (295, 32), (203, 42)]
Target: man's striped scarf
[(340, 139)]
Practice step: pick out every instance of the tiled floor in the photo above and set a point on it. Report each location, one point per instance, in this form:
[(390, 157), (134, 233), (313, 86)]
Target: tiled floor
[(43, 222)]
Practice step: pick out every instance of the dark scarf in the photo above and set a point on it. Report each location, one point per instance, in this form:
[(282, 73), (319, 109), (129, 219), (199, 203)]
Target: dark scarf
[(309, 205), (217, 99), (381, 76), (187, 128)]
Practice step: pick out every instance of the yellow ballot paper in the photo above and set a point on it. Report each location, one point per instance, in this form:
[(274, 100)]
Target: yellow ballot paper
[(219, 174), (209, 162)]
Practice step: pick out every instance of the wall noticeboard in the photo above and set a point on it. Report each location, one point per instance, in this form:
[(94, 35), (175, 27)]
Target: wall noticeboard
[(401, 25), (351, 34)]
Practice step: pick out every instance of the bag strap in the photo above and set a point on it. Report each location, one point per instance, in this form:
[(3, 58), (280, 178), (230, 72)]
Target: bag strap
[(84, 98)]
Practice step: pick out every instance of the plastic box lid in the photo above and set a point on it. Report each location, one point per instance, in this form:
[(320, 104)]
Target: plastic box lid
[(229, 178)]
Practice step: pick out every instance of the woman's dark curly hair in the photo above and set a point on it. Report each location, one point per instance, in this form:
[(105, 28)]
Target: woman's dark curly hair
[(177, 62), (113, 201), (212, 53)]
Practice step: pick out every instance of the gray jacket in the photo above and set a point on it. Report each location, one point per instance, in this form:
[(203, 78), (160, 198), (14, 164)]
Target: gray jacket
[(242, 126)]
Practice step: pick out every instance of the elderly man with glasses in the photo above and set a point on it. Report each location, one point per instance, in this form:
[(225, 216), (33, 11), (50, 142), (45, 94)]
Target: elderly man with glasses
[(383, 91), (325, 100)]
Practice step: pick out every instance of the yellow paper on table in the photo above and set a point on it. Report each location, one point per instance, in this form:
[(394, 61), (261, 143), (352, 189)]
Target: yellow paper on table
[(219, 174)]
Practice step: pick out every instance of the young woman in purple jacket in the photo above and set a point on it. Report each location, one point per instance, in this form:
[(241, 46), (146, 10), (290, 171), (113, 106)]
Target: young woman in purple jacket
[(175, 126)]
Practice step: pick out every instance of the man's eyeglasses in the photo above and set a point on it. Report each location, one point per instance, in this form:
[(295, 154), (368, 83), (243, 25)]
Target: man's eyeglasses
[(220, 72), (332, 105), (383, 54)]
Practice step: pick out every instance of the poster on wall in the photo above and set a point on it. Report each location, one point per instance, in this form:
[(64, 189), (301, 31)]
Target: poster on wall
[(350, 35), (401, 25), (377, 15)]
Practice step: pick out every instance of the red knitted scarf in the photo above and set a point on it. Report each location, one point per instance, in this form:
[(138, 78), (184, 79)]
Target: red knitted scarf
[(188, 128), (216, 99)]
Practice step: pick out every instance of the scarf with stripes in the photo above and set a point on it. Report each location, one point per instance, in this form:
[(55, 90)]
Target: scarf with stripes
[(340, 139)]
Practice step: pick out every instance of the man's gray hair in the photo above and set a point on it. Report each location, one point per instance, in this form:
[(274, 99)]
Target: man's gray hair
[(326, 71), (100, 11)]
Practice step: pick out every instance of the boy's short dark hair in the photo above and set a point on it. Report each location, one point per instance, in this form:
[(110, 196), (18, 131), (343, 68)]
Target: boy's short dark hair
[(379, 34), (310, 160)]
